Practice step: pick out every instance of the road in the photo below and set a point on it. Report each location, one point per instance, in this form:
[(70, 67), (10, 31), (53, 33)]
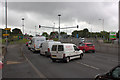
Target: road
[(91, 65)]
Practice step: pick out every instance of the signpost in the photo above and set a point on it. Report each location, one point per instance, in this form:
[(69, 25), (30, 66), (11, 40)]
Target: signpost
[(112, 35), (5, 34), (7, 28)]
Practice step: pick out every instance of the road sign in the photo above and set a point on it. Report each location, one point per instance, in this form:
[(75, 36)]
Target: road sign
[(5, 34), (112, 35), (7, 28)]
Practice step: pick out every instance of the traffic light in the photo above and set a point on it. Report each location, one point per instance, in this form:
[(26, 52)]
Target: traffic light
[(39, 26), (77, 26)]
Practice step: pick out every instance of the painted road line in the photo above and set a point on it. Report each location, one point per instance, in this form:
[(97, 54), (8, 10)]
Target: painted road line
[(36, 70), (88, 65)]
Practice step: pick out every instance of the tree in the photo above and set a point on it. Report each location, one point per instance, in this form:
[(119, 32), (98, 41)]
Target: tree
[(54, 34), (45, 34), (16, 31)]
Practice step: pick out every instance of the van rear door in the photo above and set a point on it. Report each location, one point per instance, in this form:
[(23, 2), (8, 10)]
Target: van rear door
[(60, 51), (57, 51)]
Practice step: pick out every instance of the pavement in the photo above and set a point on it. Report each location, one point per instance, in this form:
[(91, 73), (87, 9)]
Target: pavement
[(15, 64)]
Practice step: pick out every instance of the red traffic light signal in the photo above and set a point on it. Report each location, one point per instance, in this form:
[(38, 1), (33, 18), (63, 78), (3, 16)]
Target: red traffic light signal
[(39, 26)]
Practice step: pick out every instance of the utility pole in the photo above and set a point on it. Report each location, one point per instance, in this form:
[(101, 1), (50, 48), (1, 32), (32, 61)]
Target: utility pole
[(59, 26), (23, 26), (6, 23), (35, 30), (119, 21), (53, 27)]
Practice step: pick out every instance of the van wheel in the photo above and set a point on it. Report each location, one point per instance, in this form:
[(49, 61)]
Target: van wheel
[(83, 50), (53, 60), (67, 60), (81, 56)]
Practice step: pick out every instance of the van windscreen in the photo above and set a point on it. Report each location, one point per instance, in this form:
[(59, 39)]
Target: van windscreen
[(60, 47), (54, 47)]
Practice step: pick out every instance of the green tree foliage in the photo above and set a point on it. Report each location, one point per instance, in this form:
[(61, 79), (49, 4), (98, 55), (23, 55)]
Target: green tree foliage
[(45, 34), (63, 33), (16, 31), (81, 33)]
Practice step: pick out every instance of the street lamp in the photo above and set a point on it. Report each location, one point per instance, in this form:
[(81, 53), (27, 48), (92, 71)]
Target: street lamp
[(102, 23), (23, 24), (59, 26)]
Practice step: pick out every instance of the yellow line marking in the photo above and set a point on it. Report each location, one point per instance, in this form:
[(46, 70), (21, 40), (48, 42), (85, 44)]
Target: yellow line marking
[(13, 62)]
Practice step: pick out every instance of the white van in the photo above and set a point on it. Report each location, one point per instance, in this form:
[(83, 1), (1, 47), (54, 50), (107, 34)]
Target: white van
[(36, 42), (65, 52), (45, 47)]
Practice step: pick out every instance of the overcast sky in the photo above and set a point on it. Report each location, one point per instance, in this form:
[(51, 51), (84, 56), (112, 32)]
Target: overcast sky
[(84, 14)]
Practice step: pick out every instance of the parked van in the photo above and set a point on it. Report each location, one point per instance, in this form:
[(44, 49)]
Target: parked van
[(45, 47), (36, 42), (65, 52)]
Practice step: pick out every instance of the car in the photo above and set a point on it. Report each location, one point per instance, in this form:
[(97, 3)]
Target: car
[(1, 65), (45, 47), (26, 43), (87, 47), (113, 74), (65, 52), (29, 45)]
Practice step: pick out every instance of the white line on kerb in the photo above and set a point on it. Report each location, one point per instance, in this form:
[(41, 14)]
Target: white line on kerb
[(36, 70), (88, 66)]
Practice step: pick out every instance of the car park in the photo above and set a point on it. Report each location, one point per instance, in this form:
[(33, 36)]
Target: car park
[(65, 52), (36, 42), (87, 47), (45, 47), (113, 74)]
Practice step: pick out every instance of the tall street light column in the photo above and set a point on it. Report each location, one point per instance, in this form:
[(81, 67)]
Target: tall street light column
[(59, 26), (23, 26), (102, 23), (6, 23)]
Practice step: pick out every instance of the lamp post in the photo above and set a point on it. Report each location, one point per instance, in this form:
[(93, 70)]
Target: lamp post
[(59, 26), (53, 27), (23, 26), (102, 23), (35, 31), (6, 23), (119, 23)]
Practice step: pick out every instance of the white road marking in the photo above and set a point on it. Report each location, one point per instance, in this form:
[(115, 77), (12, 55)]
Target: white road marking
[(36, 70), (88, 65)]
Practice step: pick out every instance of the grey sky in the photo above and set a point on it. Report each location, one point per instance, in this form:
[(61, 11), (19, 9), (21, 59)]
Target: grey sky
[(84, 14)]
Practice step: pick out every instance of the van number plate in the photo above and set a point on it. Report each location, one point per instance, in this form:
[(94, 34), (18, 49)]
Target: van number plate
[(53, 55)]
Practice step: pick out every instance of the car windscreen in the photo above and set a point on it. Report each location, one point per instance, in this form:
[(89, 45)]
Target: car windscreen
[(89, 44), (60, 47), (54, 47)]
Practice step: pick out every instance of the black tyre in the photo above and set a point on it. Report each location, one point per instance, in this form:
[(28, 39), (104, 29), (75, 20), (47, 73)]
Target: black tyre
[(67, 60), (81, 56), (93, 51), (53, 60), (83, 50)]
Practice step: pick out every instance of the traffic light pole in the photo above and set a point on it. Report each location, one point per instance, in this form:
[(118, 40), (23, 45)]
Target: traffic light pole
[(6, 23), (119, 22)]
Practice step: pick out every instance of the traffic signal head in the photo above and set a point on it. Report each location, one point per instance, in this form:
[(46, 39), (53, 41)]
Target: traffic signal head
[(77, 26), (39, 26)]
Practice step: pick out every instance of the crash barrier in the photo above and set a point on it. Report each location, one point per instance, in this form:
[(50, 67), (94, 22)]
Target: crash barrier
[(105, 48)]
